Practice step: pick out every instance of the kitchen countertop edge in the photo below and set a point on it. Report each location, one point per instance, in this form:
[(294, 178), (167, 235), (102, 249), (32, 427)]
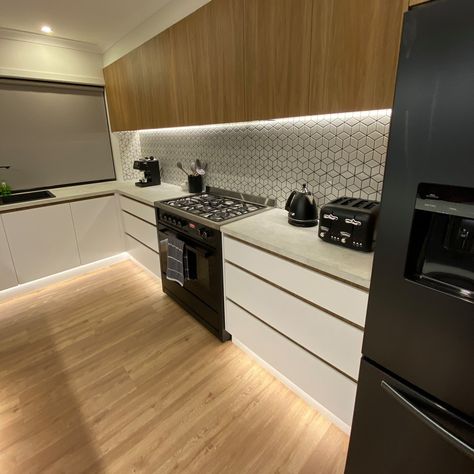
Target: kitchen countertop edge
[(148, 195)]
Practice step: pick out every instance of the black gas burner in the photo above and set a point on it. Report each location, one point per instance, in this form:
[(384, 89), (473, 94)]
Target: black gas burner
[(214, 207)]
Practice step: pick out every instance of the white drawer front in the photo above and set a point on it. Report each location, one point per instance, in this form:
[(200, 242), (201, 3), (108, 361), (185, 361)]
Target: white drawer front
[(327, 386), (335, 296), (141, 230), (143, 255), (331, 339), (138, 209)]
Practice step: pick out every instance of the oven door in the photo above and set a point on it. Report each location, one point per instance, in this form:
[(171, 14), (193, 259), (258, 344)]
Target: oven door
[(205, 281)]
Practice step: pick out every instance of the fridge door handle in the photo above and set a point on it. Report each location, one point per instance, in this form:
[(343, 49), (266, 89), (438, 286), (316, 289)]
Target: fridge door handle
[(434, 425)]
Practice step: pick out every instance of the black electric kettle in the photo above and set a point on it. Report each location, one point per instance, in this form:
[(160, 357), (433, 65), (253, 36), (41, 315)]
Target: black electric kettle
[(302, 208)]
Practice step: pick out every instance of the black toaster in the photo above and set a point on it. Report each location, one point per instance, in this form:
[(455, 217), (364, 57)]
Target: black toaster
[(350, 222)]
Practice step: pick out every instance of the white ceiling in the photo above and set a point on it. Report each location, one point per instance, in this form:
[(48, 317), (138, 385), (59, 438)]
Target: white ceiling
[(101, 22)]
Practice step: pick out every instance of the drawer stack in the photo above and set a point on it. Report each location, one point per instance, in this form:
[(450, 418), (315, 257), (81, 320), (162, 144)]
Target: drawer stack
[(305, 325), (141, 235)]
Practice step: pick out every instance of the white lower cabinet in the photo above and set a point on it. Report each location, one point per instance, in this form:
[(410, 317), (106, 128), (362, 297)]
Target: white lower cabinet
[(143, 211), (328, 387), (42, 241), (97, 228), (45, 240), (330, 338), (142, 231), (305, 325), (7, 270), (144, 255)]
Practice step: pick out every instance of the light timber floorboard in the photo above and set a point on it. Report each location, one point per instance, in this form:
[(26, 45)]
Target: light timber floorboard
[(104, 373)]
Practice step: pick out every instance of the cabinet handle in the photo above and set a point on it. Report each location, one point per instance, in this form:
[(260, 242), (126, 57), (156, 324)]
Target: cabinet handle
[(435, 426)]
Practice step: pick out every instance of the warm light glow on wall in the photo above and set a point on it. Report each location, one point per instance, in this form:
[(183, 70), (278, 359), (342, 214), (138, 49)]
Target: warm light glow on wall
[(292, 120)]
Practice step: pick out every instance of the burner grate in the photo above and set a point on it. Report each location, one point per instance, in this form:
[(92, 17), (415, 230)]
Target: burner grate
[(213, 207)]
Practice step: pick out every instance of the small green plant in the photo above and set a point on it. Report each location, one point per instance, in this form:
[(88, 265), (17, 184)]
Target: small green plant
[(5, 189)]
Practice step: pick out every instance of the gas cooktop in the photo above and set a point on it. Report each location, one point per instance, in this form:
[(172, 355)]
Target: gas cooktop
[(213, 207), (216, 205)]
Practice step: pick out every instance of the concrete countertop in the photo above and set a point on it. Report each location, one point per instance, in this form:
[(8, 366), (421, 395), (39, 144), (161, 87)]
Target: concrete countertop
[(146, 195), (270, 231)]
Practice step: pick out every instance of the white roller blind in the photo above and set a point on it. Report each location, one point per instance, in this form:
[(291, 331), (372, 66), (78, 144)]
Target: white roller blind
[(53, 134)]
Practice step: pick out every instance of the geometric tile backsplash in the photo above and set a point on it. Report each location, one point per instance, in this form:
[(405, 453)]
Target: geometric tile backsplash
[(336, 155)]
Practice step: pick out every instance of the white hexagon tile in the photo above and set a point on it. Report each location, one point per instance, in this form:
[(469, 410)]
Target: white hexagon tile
[(336, 155)]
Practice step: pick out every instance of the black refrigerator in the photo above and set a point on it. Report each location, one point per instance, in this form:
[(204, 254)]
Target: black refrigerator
[(415, 399)]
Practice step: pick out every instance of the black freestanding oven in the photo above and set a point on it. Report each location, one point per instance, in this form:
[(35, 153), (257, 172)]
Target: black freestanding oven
[(415, 400)]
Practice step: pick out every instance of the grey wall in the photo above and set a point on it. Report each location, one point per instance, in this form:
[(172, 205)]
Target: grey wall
[(337, 155)]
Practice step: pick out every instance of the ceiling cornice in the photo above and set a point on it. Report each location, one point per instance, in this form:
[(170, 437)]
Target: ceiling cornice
[(25, 36)]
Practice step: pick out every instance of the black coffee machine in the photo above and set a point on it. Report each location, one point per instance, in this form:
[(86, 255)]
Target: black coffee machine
[(151, 170)]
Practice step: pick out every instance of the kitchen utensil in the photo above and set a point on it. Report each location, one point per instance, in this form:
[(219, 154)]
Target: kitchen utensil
[(302, 208), (181, 167), (193, 169), (199, 169)]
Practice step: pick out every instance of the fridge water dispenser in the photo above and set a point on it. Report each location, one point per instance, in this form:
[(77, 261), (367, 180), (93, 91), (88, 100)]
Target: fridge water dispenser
[(441, 248)]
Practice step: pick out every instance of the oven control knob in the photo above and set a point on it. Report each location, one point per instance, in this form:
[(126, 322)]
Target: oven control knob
[(204, 233), (343, 240)]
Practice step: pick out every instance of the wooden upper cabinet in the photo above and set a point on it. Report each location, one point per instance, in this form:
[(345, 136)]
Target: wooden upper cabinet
[(208, 73), (355, 45), (120, 91), (277, 47), (238, 60), (158, 96), (140, 88), (226, 37)]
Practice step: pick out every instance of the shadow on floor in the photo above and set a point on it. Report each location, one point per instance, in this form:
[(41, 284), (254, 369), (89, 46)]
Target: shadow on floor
[(43, 392)]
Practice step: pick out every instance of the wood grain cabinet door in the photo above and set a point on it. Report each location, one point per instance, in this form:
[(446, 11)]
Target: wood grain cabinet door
[(207, 51), (123, 87), (140, 87), (158, 95), (277, 58), (354, 54)]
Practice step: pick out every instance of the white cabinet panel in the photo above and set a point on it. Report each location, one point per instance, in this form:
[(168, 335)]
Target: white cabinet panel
[(335, 296), (143, 231), (322, 383), (147, 257), (7, 270), (330, 338), (97, 228), (138, 209), (42, 241)]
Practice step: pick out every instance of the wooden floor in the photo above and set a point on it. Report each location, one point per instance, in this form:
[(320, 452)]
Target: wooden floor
[(106, 374)]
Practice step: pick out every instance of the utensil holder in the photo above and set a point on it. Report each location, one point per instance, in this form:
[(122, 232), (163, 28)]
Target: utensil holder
[(195, 184)]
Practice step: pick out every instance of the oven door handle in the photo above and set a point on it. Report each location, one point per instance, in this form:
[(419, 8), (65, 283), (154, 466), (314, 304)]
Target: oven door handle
[(194, 249), (198, 251)]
